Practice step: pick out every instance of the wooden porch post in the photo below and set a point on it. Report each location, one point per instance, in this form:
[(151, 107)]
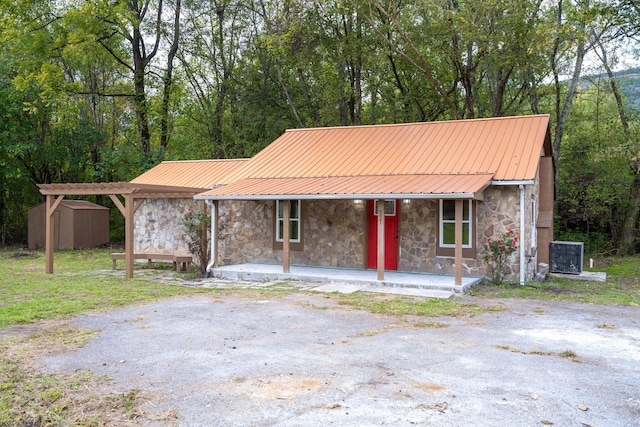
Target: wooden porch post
[(381, 239), (128, 234), (458, 238), (52, 203), (285, 235)]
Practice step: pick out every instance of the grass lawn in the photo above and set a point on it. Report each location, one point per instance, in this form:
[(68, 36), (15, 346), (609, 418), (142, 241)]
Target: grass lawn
[(621, 288), (35, 308), (28, 294)]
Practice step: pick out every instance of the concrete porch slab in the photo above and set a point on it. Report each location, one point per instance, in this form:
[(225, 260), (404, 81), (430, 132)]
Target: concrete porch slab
[(404, 281)]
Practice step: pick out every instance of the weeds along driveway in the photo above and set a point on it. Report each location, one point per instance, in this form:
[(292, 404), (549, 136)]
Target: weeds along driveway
[(304, 360)]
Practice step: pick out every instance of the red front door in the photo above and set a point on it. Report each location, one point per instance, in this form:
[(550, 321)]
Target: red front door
[(391, 208)]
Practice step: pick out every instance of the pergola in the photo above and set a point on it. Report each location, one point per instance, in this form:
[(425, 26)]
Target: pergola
[(132, 197)]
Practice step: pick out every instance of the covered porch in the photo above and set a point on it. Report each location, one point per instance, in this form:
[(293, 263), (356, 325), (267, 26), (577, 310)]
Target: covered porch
[(406, 283)]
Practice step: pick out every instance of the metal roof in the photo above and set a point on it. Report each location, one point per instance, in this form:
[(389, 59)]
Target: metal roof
[(401, 159), (191, 173), (399, 186)]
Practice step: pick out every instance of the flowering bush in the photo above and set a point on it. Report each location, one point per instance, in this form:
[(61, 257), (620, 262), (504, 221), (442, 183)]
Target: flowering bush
[(498, 253), (197, 223)]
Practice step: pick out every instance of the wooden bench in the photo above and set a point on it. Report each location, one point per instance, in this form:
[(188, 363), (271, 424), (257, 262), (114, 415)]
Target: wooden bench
[(185, 260)]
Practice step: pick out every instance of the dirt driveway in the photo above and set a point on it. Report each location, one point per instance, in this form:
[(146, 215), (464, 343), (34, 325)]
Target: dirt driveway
[(304, 360)]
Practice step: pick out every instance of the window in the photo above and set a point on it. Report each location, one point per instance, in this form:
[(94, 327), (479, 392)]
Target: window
[(389, 208), (294, 221), (447, 237)]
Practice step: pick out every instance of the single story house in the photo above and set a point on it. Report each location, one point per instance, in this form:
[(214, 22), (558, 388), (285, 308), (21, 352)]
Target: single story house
[(418, 197)]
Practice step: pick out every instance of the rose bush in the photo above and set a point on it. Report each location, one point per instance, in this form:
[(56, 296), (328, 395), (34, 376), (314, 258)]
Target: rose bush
[(498, 253)]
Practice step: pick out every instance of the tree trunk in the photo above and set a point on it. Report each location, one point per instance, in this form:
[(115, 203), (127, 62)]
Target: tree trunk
[(168, 79), (561, 116)]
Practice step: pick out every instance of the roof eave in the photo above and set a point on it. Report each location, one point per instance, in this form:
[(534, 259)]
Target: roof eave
[(475, 196), (513, 182)]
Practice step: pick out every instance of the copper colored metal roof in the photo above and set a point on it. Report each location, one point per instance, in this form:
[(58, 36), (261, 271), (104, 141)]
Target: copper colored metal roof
[(402, 186), (191, 173), (416, 158)]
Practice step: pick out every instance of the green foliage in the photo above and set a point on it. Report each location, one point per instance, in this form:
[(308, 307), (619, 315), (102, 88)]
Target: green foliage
[(498, 253), (246, 71), (197, 224), (594, 173)]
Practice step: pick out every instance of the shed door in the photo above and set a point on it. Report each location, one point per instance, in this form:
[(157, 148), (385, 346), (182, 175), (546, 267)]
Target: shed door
[(391, 209)]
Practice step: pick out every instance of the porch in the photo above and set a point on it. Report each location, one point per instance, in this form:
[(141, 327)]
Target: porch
[(341, 279)]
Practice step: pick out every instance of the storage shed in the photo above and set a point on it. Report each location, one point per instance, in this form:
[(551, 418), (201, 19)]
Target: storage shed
[(78, 225)]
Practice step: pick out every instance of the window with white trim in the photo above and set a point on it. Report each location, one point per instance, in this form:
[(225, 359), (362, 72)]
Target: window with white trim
[(294, 221), (389, 207), (447, 238)]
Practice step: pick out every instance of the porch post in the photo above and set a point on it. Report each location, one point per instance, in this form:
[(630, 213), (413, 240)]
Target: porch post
[(285, 235), (381, 239), (128, 234), (458, 238), (51, 205)]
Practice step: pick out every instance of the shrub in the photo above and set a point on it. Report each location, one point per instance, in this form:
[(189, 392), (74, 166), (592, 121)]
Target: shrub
[(197, 223), (498, 253)]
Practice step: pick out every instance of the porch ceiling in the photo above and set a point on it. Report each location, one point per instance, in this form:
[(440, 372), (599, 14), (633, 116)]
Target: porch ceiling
[(354, 187)]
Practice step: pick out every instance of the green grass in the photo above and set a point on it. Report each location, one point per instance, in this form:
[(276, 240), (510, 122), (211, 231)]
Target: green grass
[(27, 294), (621, 288), (408, 306)]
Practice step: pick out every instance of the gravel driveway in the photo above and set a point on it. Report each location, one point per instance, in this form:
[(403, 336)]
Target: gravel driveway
[(304, 360)]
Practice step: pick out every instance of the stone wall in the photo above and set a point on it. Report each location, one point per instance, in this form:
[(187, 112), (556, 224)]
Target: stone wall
[(333, 233), (498, 213), (247, 232), (158, 228)]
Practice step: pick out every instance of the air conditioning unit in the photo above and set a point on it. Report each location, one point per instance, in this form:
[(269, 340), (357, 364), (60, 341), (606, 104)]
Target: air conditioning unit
[(566, 257)]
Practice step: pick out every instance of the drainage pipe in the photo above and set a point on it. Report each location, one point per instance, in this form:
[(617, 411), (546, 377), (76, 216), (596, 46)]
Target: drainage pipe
[(213, 240), (522, 264)]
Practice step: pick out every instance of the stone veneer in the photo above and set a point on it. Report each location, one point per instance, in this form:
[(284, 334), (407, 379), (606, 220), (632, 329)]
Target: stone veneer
[(334, 232), (158, 226)]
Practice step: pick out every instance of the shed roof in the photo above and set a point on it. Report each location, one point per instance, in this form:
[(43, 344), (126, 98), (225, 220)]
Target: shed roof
[(77, 205), (191, 173), (436, 158)]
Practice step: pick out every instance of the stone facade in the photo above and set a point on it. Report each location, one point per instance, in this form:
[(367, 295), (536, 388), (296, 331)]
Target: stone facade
[(158, 228), (334, 232)]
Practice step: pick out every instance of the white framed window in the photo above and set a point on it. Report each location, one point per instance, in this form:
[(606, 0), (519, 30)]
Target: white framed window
[(447, 238), (389, 208), (294, 221)]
